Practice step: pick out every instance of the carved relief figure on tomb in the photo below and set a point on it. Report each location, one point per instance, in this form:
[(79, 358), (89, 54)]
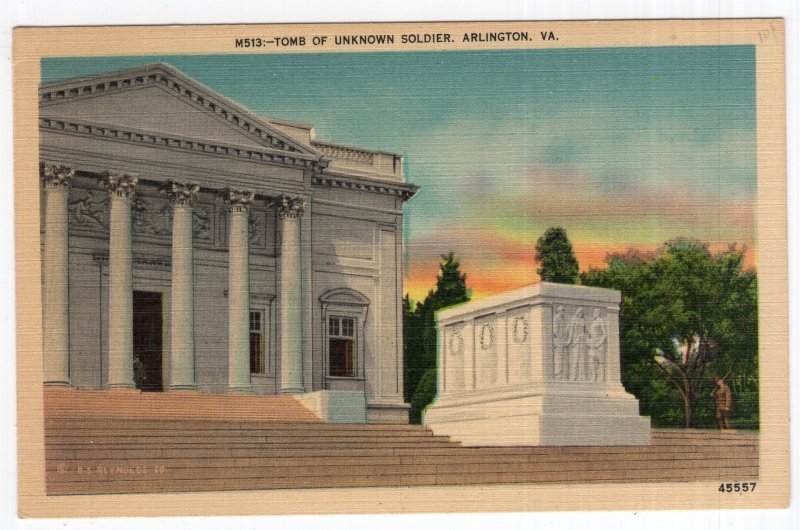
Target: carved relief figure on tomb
[(88, 211), (598, 338), (560, 341), (576, 341)]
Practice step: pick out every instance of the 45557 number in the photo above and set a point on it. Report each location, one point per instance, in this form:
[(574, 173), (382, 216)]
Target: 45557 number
[(737, 487)]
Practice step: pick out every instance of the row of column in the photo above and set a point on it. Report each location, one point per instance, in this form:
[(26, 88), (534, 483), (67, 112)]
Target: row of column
[(121, 188)]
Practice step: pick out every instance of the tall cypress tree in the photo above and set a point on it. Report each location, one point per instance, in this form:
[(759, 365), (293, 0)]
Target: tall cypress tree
[(557, 262), (451, 289)]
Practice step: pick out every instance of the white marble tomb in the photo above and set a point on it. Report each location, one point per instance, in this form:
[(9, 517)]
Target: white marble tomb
[(538, 365)]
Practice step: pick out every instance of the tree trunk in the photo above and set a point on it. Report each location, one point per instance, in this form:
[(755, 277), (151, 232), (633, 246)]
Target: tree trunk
[(687, 408)]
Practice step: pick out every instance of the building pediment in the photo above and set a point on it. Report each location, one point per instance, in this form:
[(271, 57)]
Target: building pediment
[(344, 296), (160, 99)]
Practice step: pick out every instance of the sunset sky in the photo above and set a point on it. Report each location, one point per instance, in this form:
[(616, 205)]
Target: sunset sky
[(626, 147)]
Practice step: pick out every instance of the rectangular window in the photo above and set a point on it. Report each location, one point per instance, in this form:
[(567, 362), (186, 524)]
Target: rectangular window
[(257, 342), (342, 346)]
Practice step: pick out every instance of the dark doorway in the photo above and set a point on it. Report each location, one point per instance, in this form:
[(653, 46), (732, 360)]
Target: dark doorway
[(147, 341)]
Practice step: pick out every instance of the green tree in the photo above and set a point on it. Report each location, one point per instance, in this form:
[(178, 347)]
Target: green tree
[(557, 262), (424, 394), (420, 332), (696, 312)]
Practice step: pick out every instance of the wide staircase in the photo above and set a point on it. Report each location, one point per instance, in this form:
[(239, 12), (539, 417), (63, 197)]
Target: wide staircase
[(127, 442)]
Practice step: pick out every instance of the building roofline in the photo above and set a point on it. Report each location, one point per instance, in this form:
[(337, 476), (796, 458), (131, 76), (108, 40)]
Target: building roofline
[(169, 71)]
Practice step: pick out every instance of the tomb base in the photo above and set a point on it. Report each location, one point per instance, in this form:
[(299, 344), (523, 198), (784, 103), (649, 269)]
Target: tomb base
[(531, 416)]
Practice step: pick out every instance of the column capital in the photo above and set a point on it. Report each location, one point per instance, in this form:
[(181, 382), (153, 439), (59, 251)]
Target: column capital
[(238, 200), (55, 176), (183, 193), (290, 207), (120, 184)]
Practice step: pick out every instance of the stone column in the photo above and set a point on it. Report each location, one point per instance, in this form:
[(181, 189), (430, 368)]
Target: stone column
[(182, 375), (55, 291), (239, 290), (290, 210), (120, 295)]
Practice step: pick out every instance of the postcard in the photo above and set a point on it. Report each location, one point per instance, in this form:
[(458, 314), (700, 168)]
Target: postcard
[(401, 267)]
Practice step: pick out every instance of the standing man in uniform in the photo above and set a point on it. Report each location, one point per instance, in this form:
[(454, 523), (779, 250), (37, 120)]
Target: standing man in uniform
[(724, 400)]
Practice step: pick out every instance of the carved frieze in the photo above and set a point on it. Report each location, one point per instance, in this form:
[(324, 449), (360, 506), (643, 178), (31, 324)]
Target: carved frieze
[(257, 230), (201, 223), (560, 357), (153, 207), (580, 344), (151, 216), (88, 209), (598, 346)]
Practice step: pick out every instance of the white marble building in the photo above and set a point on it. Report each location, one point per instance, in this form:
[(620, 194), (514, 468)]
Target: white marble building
[(189, 244)]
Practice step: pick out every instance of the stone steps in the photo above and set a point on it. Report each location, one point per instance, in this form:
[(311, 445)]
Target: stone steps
[(387, 454), (132, 404), (532, 469), (78, 422), (87, 452), (356, 459)]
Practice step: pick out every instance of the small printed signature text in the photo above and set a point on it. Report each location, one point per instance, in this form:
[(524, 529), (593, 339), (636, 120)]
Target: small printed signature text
[(117, 469)]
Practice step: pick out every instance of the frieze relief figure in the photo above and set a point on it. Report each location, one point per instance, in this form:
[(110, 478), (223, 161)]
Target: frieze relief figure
[(560, 344), (201, 223), (146, 222), (598, 339), (576, 341), (579, 347), (256, 231), (160, 223), (89, 211)]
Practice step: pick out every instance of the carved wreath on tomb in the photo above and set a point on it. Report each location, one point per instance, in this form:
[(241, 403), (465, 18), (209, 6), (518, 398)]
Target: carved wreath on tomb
[(520, 330), (487, 336)]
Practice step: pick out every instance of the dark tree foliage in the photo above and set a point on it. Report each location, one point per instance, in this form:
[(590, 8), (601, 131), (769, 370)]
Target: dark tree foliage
[(420, 333), (423, 395), (557, 261), (697, 311)]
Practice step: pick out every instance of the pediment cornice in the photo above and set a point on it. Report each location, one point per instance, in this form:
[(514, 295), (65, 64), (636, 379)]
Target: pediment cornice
[(329, 179), (172, 141), (180, 86)]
